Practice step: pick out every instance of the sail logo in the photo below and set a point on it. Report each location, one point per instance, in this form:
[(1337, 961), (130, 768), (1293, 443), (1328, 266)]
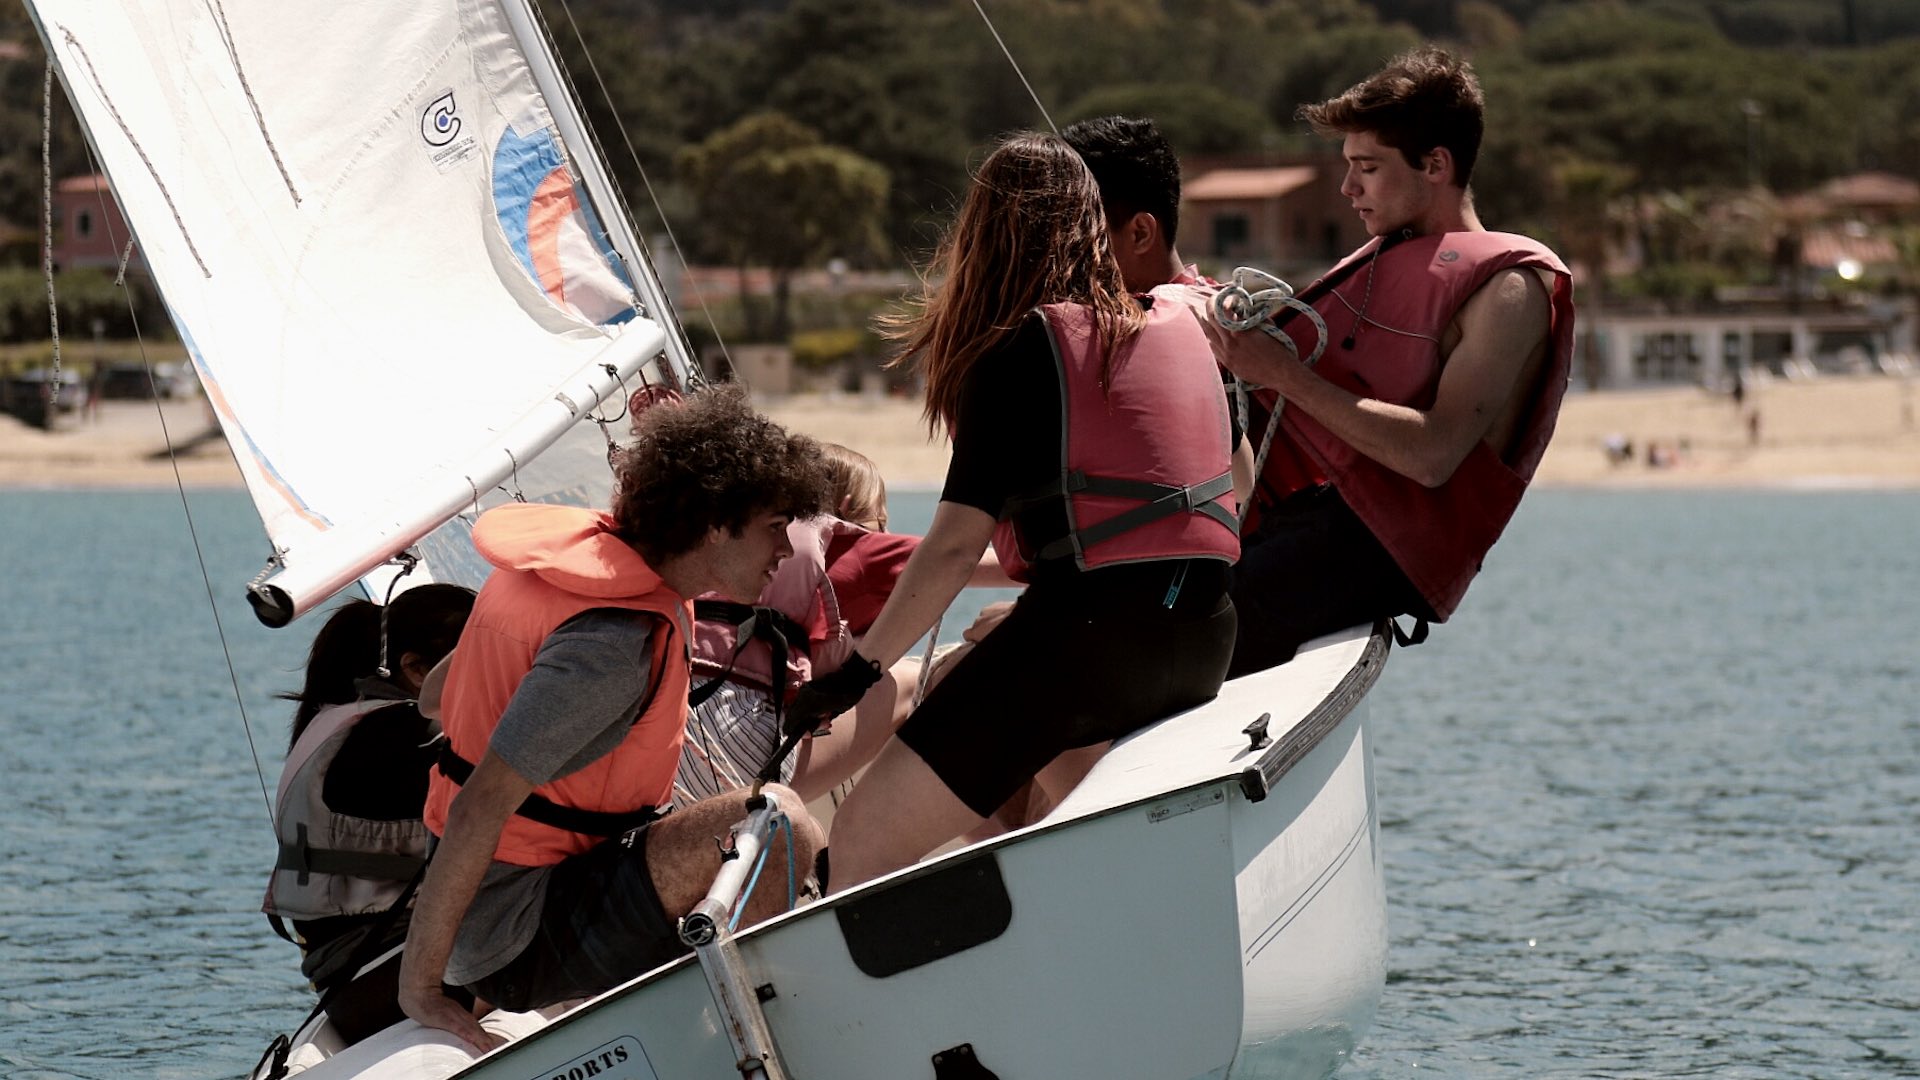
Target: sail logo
[(552, 230), (438, 124)]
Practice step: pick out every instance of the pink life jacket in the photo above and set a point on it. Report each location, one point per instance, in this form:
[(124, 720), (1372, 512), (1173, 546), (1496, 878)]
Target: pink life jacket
[(1146, 469), (1437, 536), (798, 603)]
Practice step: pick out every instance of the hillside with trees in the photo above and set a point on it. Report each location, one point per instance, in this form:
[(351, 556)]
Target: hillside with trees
[(785, 134)]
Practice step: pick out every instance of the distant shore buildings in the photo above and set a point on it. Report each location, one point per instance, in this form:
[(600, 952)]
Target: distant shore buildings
[(89, 230), (1288, 215)]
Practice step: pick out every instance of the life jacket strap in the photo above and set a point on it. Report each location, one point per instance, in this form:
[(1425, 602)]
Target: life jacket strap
[(1157, 501), (306, 861), (761, 616), (751, 622), (538, 808), (273, 1063)]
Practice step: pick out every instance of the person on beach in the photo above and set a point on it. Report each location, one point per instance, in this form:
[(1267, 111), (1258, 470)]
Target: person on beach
[(1075, 411), (830, 590), (348, 810), (1401, 456), (556, 875)]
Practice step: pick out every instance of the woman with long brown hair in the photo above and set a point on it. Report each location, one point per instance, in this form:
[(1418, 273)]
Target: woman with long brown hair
[(1091, 445)]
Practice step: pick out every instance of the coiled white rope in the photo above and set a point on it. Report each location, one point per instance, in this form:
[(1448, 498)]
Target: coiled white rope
[(1249, 302)]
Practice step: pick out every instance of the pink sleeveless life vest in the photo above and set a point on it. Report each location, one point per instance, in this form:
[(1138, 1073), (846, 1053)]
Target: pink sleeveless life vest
[(1146, 468), (1437, 536), (817, 637)]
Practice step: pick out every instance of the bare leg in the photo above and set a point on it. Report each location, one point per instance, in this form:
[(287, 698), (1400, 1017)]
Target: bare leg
[(1037, 797), (682, 856), (897, 813), (1061, 776), (827, 761)]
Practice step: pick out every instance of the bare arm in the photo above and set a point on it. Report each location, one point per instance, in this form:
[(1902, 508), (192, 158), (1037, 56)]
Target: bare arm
[(988, 574), (1503, 324), (474, 821), (1243, 472), (940, 567)]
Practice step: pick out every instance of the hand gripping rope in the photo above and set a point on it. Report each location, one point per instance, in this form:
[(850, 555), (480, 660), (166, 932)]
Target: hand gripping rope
[(1250, 302)]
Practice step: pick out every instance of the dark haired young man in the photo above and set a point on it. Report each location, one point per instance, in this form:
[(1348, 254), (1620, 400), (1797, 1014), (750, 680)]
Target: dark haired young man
[(570, 685), (1139, 178), (1402, 455)]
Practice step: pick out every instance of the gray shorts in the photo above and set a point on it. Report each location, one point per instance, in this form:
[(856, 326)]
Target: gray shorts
[(601, 924)]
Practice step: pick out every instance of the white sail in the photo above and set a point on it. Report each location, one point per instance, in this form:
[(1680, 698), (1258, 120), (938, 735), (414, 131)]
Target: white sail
[(381, 249)]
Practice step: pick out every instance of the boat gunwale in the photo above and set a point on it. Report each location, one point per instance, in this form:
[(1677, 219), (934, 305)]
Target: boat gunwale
[(1300, 739), (1254, 781)]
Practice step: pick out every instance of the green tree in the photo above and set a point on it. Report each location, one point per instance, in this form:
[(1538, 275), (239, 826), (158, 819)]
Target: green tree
[(1319, 66), (21, 82), (874, 77), (1586, 209), (773, 194), (1195, 117)]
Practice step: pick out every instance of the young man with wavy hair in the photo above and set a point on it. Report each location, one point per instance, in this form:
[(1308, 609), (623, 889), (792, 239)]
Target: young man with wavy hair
[(565, 707)]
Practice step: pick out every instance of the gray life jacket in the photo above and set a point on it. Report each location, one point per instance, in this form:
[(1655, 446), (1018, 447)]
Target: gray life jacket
[(330, 863)]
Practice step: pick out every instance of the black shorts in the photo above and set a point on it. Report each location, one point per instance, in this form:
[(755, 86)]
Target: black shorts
[(1070, 667), (1313, 568), (601, 925)]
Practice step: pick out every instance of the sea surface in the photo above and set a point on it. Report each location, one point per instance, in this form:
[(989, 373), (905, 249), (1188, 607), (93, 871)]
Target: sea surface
[(1651, 803)]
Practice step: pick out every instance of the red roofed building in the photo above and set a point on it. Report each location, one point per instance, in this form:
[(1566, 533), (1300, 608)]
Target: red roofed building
[(88, 230), (1286, 218), (1874, 196)]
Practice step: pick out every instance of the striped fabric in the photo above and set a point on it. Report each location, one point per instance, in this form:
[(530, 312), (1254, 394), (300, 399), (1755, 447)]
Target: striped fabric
[(729, 737)]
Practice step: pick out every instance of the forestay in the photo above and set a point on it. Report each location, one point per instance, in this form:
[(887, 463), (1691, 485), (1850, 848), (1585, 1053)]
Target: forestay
[(377, 237)]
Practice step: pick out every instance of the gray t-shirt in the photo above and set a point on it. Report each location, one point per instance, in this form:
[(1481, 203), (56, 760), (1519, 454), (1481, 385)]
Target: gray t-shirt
[(586, 688)]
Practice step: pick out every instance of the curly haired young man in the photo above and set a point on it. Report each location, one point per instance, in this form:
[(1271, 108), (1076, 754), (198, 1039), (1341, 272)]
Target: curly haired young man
[(565, 707)]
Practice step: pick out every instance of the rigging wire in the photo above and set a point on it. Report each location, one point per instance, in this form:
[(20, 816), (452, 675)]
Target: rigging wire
[(179, 483), (679, 253), (1008, 53)]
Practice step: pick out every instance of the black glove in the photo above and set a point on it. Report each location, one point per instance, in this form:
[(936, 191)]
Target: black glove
[(828, 696)]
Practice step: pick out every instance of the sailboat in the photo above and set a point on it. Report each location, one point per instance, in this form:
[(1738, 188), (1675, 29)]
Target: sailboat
[(411, 291)]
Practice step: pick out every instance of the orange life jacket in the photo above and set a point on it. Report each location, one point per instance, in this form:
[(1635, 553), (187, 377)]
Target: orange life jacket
[(552, 563)]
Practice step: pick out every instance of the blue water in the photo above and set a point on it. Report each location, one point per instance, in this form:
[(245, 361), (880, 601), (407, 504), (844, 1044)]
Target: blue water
[(1651, 804)]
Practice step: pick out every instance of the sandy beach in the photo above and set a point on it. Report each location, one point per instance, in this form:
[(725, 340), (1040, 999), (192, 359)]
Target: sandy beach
[(1832, 432)]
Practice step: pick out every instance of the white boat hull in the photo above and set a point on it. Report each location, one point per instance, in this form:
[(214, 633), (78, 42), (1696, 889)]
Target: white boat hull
[(1197, 908)]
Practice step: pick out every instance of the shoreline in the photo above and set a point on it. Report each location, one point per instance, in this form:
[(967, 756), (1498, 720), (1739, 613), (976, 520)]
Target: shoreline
[(1835, 433)]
